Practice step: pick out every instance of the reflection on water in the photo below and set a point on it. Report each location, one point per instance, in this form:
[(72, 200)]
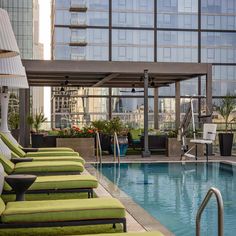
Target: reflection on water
[(172, 192)]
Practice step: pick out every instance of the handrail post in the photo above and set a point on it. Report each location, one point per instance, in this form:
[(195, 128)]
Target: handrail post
[(220, 207), (98, 148), (118, 147)]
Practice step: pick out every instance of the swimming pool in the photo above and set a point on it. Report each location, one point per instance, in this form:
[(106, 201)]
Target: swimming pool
[(172, 193)]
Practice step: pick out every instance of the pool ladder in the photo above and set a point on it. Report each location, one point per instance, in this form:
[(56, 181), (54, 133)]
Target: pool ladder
[(98, 148), (220, 206)]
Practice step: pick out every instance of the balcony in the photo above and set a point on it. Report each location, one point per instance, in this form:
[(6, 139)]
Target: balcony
[(78, 6), (78, 41), (78, 22), (78, 57)]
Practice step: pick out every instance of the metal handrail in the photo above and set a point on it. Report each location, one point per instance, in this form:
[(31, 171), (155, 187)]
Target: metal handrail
[(220, 206), (98, 148), (116, 145)]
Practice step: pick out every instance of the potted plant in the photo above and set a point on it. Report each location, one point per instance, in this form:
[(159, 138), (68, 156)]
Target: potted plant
[(116, 126), (225, 109), (105, 138), (35, 123), (79, 139), (14, 121)]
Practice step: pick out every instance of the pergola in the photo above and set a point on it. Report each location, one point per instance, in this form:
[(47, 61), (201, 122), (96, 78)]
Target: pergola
[(114, 75)]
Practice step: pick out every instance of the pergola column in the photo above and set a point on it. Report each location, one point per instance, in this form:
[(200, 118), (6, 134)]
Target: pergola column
[(156, 99), (177, 105), (146, 152), (209, 91), (24, 113)]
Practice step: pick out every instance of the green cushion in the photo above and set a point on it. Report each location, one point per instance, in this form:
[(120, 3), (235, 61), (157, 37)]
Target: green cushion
[(61, 182), (154, 233), (48, 167), (2, 206), (60, 158), (7, 164), (56, 149), (14, 148), (45, 154), (63, 210)]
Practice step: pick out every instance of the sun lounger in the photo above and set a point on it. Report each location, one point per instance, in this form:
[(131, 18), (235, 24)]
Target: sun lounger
[(154, 233), (42, 167), (18, 151)]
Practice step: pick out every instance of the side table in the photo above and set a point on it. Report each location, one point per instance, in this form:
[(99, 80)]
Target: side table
[(20, 184)]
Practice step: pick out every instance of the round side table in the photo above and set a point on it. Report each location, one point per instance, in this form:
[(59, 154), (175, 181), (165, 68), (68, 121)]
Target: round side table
[(20, 184)]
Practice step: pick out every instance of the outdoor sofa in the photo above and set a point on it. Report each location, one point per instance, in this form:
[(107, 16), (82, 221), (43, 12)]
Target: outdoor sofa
[(42, 167)]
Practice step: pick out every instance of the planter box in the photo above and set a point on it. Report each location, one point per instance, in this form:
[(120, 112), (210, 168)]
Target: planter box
[(174, 148), (85, 146)]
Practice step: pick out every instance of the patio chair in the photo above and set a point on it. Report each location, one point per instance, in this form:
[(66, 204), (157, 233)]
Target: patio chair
[(18, 150), (209, 135), (42, 167), (55, 186), (41, 156)]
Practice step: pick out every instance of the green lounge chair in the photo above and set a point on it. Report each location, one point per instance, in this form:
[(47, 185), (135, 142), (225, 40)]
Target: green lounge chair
[(154, 233), (18, 151), (53, 213), (42, 167), (55, 187)]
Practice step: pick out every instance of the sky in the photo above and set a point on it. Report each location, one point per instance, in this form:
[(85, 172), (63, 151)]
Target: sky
[(45, 38)]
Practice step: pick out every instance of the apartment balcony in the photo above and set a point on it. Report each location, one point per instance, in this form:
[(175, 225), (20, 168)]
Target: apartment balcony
[(78, 41), (78, 23), (78, 57), (78, 6)]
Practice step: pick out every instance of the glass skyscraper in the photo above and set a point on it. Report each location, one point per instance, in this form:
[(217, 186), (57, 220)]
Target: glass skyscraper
[(148, 30)]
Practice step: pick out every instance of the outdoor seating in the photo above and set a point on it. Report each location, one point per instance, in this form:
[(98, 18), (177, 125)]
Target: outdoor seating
[(53, 186), (154, 233), (133, 143), (42, 167), (17, 149), (17, 152)]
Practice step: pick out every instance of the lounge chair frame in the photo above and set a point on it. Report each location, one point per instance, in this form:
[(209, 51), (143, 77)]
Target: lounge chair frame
[(65, 223), (48, 191)]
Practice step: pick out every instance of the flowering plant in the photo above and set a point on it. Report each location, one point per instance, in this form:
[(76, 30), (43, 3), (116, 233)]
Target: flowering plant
[(76, 132)]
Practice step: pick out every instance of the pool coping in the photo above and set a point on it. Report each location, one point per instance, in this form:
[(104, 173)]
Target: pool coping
[(141, 216)]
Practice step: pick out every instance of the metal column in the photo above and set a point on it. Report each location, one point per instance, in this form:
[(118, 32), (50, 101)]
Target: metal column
[(24, 113), (209, 91), (177, 105), (146, 152), (156, 120)]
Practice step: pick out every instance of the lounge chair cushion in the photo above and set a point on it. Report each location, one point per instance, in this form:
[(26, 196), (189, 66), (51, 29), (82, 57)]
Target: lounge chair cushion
[(7, 164), (63, 210), (59, 158), (48, 166), (154, 233), (2, 206), (47, 154), (14, 148), (56, 149), (61, 182)]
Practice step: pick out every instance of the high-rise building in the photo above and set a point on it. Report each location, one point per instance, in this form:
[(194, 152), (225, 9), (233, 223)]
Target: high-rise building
[(148, 30), (24, 16)]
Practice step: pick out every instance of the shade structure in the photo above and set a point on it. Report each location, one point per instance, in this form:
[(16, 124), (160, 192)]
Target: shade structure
[(8, 44), (12, 73)]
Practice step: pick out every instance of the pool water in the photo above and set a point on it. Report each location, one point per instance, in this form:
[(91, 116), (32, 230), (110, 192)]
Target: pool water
[(173, 192)]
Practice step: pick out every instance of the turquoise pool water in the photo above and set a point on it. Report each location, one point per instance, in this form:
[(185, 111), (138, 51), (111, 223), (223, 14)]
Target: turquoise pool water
[(173, 192)]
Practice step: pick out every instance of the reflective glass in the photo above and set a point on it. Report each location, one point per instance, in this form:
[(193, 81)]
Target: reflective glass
[(218, 14), (132, 13), (177, 46), (177, 14), (224, 80), (132, 45), (218, 47)]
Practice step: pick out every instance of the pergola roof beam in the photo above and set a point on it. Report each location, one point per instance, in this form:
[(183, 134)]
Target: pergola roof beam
[(105, 79)]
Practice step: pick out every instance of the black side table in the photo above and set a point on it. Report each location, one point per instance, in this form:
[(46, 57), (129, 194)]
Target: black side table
[(19, 184)]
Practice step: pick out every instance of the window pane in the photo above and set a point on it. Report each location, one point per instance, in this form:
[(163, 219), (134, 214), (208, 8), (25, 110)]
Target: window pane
[(177, 46)]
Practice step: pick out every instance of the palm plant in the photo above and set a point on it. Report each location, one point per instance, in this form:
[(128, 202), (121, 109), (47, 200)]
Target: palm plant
[(225, 109), (38, 120)]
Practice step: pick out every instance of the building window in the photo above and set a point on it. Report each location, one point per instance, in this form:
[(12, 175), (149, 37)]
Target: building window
[(167, 53), (122, 18), (122, 35), (210, 53), (122, 52)]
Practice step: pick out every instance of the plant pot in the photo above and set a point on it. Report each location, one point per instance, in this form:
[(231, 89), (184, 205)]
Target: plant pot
[(37, 140), (85, 146), (123, 144), (226, 143)]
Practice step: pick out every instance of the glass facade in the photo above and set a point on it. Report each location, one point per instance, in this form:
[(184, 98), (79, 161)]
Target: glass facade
[(153, 31)]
